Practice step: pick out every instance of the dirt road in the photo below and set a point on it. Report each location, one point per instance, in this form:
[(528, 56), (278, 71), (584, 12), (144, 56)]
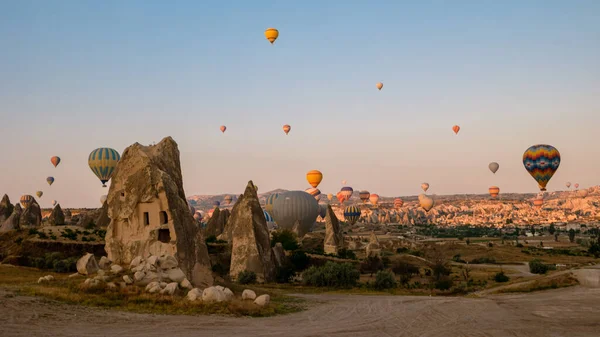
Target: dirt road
[(564, 312)]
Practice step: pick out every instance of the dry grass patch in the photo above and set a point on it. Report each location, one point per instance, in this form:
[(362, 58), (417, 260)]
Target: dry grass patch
[(560, 281)]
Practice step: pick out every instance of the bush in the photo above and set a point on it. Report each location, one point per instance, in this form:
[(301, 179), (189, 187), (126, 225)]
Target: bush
[(42, 235), (213, 239), (537, 267), (456, 258), (371, 265), (246, 277), (405, 270), (285, 272), (299, 260), (444, 283), (483, 260), (288, 239), (346, 254), (501, 277), (33, 231), (69, 234), (384, 279), (19, 241), (338, 275)]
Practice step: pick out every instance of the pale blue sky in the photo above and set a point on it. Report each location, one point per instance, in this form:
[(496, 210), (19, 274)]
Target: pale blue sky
[(77, 75)]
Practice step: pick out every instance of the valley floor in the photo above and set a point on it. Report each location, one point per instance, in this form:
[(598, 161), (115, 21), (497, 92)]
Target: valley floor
[(569, 312)]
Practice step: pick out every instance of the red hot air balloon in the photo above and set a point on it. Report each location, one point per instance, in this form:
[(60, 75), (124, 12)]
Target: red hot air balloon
[(456, 128), (55, 161), (223, 128)]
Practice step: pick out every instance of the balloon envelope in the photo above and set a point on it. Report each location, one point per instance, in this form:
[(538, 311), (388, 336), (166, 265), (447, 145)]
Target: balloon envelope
[(380, 85), (374, 198), (314, 177), (398, 202), (576, 185), (364, 196), (295, 207), (50, 180), (329, 196), (352, 214), (568, 184), (541, 161), (228, 199), (426, 202), (269, 202), (315, 192), (53, 202), (425, 186), (494, 190), (39, 194), (271, 34), (55, 161), (102, 162), (223, 128), (26, 200), (494, 167), (456, 128), (286, 129), (347, 192)]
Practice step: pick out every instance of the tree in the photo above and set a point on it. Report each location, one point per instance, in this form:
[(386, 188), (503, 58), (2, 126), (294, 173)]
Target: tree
[(551, 229), (556, 236), (288, 239), (572, 235), (371, 265), (405, 270), (532, 230)]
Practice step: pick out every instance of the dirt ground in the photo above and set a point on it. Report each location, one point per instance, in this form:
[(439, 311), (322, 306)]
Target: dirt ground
[(564, 312)]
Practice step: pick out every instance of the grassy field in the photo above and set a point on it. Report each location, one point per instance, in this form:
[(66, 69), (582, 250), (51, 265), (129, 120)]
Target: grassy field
[(23, 281)]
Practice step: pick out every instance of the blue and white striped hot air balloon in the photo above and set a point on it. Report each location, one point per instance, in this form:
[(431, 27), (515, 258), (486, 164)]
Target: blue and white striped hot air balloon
[(103, 162)]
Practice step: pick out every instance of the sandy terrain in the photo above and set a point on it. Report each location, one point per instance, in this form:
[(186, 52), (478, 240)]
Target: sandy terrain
[(564, 312)]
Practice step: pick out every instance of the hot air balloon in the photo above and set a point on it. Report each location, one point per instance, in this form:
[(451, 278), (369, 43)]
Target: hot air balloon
[(286, 129), (295, 207), (347, 192), (39, 194), (341, 198), (494, 190), (576, 185), (216, 203), (398, 202), (425, 186), (223, 128), (426, 202), (268, 216), (314, 178), (55, 161), (53, 202), (315, 192), (192, 209), (351, 214), (364, 196), (541, 161), (103, 199), (343, 182), (494, 167), (102, 162), (271, 34), (197, 217), (456, 128), (380, 85), (329, 196), (50, 180), (568, 184), (228, 199), (374, 198), (26, 200), (269, 202), (538, 202)]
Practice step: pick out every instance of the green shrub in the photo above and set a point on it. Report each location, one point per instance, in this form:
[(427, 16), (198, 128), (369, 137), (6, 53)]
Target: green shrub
[(288, 239), (501, 277), (33, 231), (246, 277), (371, 265), (444, 283), (384, 279), (338, 275), (18, 241), (405, 270), (285, 272), (299, 260), (213, 239), (483, 260), (537, 267), (456, 258), (346, 254), (42, 235)]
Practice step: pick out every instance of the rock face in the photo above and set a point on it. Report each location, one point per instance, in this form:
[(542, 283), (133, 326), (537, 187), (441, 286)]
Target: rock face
[(251, 247), (149, 212), (12, 222), (373, 248), (31, 216), (6, 208), (216, 224), (87, 264), (103, 220), (334, 239), (57, 217)]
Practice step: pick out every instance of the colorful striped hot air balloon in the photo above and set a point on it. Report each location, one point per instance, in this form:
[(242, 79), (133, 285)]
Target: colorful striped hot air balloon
[(364, 196), (351, 214), (55, 161), (286, 129), (103, 162), (340, 196), (269, 202), (347, 192), (541, 161), (494, 191), (374, 198), (315, 192), (271, 34), (50, 180), (538, 202), (268, 216), (398, 202), (26, 200), (314, 178), (456, 128), (39, 194)]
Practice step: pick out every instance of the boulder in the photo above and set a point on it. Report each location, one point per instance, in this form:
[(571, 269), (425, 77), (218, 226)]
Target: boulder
[(228, 294), (87, 265), (127, 279), (169, 289), (248, 294), (31, 216), (194, 294), (279, 254), (149, 213), (175, 275), (6, 208), (185, 284), (57, 217), (212, 295), (251, 246), (334, 239), (104, 263), (12, 222), (262, 300), (135, 262), (116, 269), (166, 262)]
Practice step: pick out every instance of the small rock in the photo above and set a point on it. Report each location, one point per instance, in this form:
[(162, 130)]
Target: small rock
[(111, 286), (262, 300), (163, 284), (101, 272), (169, 289), (175, 275), (220, 288), (49, 278), (116, 269), (228, 294), (127, 279), (104, 263), (152, 285), (138, 276), (74, 275), (87, 264), (185, 284), (135, 262), (213, 294), (122, 285), (167, 262), (87, 281), (248, 295), (154, 289), (194, 294), (152, 260)]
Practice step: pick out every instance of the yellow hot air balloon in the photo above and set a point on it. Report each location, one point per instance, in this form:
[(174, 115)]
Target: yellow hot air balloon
[(314, 178), (103, 162), (271, 34), (329, 196), (494, 191), (379, 85), (39, 194)]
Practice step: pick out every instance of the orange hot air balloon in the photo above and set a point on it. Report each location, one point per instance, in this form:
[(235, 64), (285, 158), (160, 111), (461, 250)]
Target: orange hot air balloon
[(494, 190), (314, 178), (271, 34), (55, 161), (223, 128), (374, 198), (286, 129), (379, 85), (538, 202), (456, 128), (341, 197), (398, 202)]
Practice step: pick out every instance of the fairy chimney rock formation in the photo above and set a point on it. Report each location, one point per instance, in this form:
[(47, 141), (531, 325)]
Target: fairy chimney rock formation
[(12, 222), (373, 247), (217, 222), (251, 245), (31, 216), (334, 240), (149, 214), (57, 217), (6, 208)]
